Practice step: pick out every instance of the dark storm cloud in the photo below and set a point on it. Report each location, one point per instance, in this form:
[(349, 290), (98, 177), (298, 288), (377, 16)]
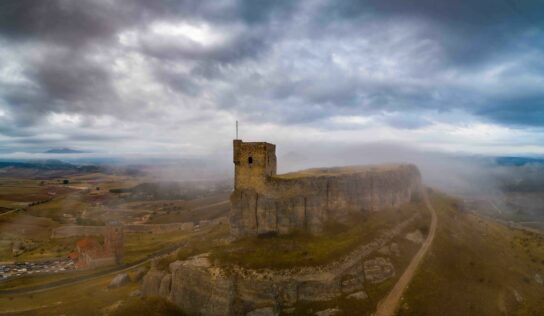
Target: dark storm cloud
[(470, 30), (70, 78), (64, 22), (66, 77), (279, 62), (521, 111), (64, 81)]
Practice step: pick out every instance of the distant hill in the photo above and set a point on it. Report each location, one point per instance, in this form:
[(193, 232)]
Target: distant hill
[(43, 169), (49, 164), (518, 161), (53, 168), (64, 150)]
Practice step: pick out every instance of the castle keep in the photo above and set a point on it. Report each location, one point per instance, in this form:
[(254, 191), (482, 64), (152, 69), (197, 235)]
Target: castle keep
[(266, 203)]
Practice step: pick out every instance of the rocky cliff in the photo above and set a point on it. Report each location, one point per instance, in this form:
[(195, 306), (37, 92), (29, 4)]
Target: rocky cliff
[(200, 288), (306, 200)]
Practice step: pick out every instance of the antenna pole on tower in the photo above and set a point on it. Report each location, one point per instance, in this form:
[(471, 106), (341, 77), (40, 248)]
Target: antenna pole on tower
[(236, 129)]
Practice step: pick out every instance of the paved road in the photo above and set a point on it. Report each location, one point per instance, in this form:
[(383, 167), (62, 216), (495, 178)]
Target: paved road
[(388, 306)]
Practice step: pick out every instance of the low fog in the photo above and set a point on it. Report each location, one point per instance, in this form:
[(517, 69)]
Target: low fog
[(457, 174)]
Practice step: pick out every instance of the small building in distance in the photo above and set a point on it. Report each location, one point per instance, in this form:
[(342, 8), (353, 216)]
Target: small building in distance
[(90, 254)]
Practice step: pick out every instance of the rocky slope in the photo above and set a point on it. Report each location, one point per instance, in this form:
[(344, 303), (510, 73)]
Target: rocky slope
[(200, 288)]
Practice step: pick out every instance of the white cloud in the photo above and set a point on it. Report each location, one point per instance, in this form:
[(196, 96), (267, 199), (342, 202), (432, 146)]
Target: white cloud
[(175, 82), (64, 119)]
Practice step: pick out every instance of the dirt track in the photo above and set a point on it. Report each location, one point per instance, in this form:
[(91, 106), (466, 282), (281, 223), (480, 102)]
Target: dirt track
[(389, 305)]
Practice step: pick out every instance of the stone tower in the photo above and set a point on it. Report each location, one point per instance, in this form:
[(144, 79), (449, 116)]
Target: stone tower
[(113, 241), (253, 163)]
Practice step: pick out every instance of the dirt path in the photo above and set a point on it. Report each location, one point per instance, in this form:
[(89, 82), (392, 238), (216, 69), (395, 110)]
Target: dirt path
[(388, 306)]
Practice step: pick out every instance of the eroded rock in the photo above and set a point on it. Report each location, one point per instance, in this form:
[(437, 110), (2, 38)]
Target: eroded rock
[(328, 312), (119, 280), (415, 237), (264, 311), (361, 295), (139, 274), (152, 282), (538, 279), (378, 269)]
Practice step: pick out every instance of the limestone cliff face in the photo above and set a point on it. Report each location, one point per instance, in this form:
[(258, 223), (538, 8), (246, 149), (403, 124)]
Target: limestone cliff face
[(308, 199)]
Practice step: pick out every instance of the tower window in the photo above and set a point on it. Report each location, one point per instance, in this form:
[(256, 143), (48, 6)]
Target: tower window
[(250, 160)]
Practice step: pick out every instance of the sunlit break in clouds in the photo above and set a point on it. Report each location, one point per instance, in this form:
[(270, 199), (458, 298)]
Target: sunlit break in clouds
[(170, 78)]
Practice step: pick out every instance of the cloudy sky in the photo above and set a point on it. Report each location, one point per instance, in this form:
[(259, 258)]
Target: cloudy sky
[(170, 77)]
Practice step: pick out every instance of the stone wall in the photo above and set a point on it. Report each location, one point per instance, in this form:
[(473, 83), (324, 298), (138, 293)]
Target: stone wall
[(308, 200), (253, 163)]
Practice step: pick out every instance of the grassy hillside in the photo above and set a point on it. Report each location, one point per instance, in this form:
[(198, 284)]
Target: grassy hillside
[(477, 267), (303, 249), (89, 298)]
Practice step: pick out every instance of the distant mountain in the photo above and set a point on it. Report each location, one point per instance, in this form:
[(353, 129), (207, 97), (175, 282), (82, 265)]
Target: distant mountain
[(50, 164), (518, 161), (64, 150)]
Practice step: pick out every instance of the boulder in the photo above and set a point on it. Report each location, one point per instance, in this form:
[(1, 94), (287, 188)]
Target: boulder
[(152, 282), (415, 237), (138, 274), (538, 279), (164, 288), (378, 269), (361, 295), (198, 291), (135, 293), (318, 291), (119, 280), (328, 312), (264, 311), (352, 284)]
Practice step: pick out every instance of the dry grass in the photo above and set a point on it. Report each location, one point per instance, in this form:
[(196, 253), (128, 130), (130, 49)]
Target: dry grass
[(474, 267), (302, 249), (147, 306), (20, 225), (335, 171), (87, 298)]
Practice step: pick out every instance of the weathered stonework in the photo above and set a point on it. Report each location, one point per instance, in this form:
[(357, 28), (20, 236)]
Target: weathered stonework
[(266, 203)]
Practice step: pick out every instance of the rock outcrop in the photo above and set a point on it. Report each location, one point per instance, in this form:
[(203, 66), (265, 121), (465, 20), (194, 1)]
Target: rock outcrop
[(200, 288), (308, 199), (119, 280)]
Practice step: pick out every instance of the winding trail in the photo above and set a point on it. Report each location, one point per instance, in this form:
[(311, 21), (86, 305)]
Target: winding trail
[(388, 306)]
